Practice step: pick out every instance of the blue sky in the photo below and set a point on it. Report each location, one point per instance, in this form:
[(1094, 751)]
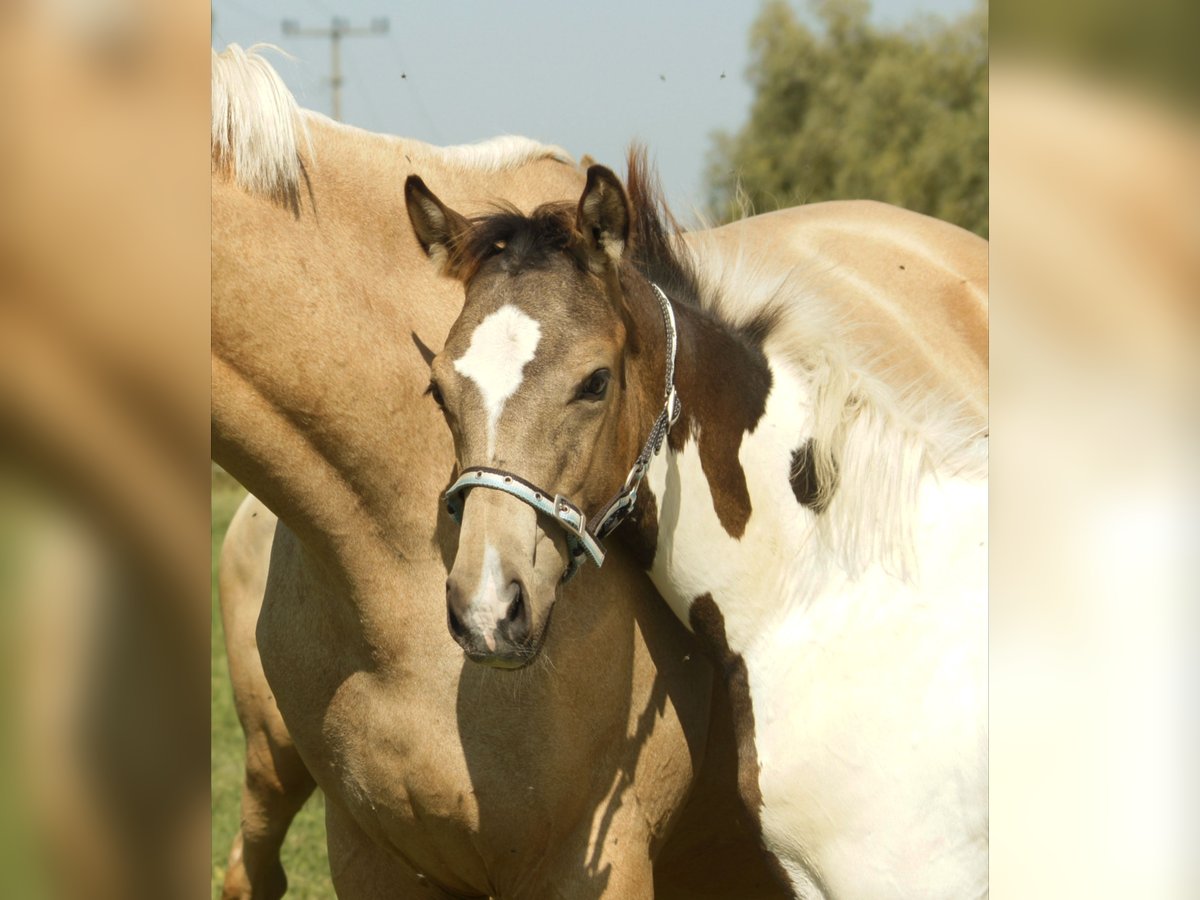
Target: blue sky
[(590, 77)]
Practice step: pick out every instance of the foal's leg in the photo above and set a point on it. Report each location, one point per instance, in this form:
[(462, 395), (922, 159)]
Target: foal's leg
[(277, 782)]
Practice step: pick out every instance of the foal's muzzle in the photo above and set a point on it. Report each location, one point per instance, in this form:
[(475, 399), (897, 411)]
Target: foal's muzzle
[(498, 634)]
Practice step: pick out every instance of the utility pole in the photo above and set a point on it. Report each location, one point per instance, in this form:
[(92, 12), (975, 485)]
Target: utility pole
[(338, 29)]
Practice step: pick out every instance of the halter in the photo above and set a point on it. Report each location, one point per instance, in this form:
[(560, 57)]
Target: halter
[(583, 537)]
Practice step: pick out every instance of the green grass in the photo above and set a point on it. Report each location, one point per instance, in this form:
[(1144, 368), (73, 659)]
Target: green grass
[(304, 856)]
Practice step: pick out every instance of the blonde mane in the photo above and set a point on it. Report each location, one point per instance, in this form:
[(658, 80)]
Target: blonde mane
[(498, 154), (258, 131), (256, 124), (874, 438)]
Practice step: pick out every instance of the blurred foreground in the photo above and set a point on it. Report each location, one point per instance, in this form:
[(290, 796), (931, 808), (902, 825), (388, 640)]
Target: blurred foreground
[(1095, 274), (104, 479), (104, 485), (1095, 270)]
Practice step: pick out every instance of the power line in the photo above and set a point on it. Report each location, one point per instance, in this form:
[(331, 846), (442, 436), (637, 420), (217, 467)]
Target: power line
[(337, 29)]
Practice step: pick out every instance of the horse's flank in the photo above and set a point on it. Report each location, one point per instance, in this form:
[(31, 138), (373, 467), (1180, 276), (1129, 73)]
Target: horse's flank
[(916, 294)]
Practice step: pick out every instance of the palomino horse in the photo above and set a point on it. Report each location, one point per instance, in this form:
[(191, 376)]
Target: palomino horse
[(567, 779), (822, 532)]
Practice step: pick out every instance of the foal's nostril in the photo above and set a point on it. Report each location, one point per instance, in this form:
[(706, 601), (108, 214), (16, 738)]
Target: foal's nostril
[(516, 625), (517, 607), (456, 626)]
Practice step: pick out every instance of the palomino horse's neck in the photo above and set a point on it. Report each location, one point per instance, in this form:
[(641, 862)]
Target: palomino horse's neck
[(317, 376)]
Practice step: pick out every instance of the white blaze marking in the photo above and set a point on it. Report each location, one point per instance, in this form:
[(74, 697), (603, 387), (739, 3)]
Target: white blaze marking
[(500, 347), (483, 611)]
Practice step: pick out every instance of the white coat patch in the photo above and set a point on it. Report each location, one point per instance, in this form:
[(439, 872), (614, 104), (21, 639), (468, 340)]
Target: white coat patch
[(486, 606), (500, 347)]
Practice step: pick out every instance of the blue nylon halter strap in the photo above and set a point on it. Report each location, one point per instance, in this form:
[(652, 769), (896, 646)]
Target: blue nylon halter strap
[(580, 541), (583, 538)]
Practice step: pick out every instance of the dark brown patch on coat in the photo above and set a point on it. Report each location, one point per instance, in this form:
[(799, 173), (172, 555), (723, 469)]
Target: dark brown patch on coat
[(709, 625), (721, 372), (640, 530), (723, 380), (804, 480)]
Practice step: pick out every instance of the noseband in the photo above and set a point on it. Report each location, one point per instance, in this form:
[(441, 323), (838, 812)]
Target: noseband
[(583, 537)]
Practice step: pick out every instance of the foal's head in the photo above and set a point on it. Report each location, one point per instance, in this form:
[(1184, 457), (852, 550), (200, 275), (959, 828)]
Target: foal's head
[(543, 376)]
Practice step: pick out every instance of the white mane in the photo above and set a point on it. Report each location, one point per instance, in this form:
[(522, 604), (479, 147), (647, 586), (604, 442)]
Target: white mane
[(498, 154), (256, 124), (873, 440), (257, 130)]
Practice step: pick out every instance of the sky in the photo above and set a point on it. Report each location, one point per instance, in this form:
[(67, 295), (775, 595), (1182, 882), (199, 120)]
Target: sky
[(589, 77)]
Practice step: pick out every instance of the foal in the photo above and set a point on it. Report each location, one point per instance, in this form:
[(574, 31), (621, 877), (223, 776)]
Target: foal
[(824, 534)]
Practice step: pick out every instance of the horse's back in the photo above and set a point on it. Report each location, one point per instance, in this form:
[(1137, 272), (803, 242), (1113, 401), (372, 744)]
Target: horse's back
[(914, 289)]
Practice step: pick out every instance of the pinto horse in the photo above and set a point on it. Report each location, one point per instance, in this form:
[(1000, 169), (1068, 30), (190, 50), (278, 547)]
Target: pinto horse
[(818, 522)]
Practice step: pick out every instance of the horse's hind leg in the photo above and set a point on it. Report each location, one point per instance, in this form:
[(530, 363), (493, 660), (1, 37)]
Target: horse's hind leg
[(277, 782), (277, 785)]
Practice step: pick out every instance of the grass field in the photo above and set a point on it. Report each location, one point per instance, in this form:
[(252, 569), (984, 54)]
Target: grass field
[(304, 857)]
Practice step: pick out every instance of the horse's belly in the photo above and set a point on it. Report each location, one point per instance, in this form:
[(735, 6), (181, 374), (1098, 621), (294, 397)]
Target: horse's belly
[(871, 733)]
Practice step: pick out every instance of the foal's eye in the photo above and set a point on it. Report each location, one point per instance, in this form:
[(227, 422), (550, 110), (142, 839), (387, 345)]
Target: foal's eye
[(436, 393), (594, 386)]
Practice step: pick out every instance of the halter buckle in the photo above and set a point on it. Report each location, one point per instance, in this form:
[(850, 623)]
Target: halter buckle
[(569, 516)]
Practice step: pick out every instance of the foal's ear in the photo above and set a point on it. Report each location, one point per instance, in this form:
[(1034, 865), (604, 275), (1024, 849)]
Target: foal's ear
[(438, 227), (603, 217), (427, 354)]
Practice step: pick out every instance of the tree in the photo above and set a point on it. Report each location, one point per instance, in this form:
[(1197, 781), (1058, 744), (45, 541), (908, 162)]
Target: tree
[(852, 111)]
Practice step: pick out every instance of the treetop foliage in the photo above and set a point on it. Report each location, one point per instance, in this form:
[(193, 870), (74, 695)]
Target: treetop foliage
[(854, 111)]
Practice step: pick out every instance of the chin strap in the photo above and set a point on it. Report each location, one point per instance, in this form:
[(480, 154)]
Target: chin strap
[(583, 538)]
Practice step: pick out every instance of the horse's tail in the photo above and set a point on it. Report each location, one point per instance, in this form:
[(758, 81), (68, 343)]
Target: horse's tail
[(256, 124)]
